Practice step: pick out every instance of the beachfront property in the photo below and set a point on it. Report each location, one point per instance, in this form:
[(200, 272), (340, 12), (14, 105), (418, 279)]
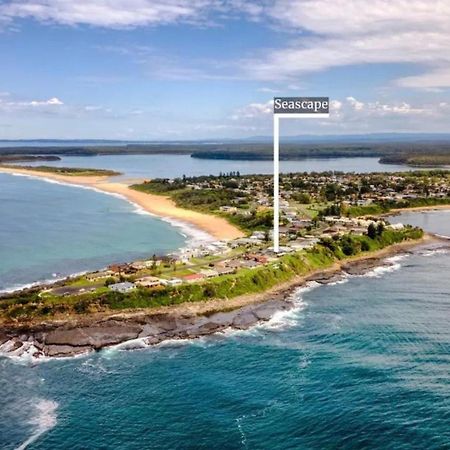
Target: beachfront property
[(194, 277), (100, 275), (124, 287), (171, 282), (149, 282)]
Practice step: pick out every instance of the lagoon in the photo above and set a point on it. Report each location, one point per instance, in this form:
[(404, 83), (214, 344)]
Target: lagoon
[(171, 166)]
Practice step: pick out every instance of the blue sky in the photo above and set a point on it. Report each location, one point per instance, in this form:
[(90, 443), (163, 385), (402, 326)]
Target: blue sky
[(193, 69)]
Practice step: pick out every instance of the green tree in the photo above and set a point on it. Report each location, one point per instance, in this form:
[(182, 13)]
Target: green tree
[(372, 231)]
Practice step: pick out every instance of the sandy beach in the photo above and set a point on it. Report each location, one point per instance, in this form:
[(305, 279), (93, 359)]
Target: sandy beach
[(159, 205)]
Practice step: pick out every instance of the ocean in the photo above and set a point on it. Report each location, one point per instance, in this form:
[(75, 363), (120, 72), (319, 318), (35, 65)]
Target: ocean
[(48, 230), (360, 364)]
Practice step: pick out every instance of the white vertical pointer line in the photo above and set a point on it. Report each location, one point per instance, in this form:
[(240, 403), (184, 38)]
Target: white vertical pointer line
[(276, 183), (276, 168)]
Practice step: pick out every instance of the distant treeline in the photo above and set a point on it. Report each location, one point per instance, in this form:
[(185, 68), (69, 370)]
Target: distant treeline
[(4, 159), (288, 152), (424, 159), (398, 153), (420, 153)]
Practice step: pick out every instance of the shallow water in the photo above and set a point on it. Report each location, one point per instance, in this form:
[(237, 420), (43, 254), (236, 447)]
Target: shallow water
[(48, 230), (360, 364)]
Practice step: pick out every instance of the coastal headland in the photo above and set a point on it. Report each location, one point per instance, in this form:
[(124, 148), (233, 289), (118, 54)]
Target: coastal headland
[(238, 284), (158, 205), (71, 336)]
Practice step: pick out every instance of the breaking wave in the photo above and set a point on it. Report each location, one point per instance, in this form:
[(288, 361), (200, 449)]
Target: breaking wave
[(44, 420)]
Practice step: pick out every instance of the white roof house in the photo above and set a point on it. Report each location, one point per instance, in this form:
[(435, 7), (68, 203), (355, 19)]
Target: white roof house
[(123, 288)]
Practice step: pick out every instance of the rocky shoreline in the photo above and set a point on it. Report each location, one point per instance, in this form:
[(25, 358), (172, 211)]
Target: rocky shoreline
[(72, 338)]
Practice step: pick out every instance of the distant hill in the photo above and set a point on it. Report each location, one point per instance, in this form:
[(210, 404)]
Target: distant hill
[(358, 138), (409, 148), (301, 138)]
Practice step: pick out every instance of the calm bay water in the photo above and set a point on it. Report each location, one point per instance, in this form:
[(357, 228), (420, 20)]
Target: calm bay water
[(437, 221), (359, 365), (170, 166), (49, 230)]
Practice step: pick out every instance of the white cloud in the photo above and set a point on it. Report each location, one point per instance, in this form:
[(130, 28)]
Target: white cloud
[(355, 104), (434, 79), (353, 17), (9, 104), (313, 54), (268, 90), (350, 115), (254, 111), (54, 101), (335, 105), (322, 34), (108, 13), (335, 33), (357, 109), (53, 106)]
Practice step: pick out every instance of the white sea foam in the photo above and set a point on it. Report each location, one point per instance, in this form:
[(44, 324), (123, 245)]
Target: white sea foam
[(25, 354), (281, 319), (391, 264), (94, 368), (44, 420), (286, 319), (29, 354), (436, 251), (379, 271), (343, 280)]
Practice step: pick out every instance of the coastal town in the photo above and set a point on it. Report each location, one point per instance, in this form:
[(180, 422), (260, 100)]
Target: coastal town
[(315, 209), (333, 225), (212, 259)]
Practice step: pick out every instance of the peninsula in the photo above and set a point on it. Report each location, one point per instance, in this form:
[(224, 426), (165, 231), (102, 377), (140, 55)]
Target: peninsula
[(331, 228)]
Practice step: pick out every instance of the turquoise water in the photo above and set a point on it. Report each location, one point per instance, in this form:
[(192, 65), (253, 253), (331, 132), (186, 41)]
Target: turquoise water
[(170, 166), (359, 365), (48, 230)]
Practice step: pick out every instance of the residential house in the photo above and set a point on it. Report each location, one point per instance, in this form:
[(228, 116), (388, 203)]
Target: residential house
[(123, 288), (193, 277), (209, 273), (171, 282), (101, 275), (149, 282)]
